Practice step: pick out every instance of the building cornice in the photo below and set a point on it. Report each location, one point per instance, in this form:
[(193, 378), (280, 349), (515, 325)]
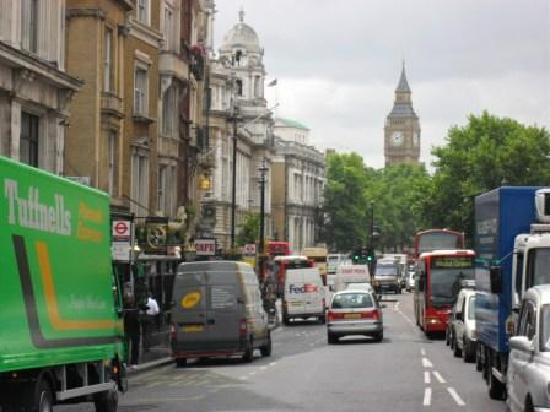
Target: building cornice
[(23, 60), (86, 12), (144, 33)]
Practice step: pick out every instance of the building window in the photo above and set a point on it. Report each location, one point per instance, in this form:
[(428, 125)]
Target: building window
[(28, 144), (142, 11), (140, 184), (140, 90), (166, 190), (108, 66), (239, 87), (168, 29), (112, 156), (169, 112), (29, 25)]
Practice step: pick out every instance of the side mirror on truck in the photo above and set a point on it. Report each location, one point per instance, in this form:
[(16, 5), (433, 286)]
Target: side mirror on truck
[(495, 275)]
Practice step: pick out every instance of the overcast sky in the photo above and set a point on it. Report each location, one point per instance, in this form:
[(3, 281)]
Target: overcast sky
[(338, 62)]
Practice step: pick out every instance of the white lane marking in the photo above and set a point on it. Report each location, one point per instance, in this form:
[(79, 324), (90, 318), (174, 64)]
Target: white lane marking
[(423, 351), (455, 396), (426, 363), (263, 368), (272, 363), (427, 379), (427, 396), (439, 377), (252, 374)]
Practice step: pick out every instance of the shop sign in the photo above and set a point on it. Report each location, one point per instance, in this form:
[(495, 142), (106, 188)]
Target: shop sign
[(205, 247)]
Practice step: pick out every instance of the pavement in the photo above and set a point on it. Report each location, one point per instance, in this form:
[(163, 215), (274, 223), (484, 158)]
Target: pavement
[(404, 372)]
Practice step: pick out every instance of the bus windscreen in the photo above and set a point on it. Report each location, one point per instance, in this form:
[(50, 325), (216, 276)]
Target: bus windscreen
[(438, 241), (446, 276)]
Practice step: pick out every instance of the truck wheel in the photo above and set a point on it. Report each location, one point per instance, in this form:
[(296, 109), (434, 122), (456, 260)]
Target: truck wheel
[(322, 319), (181, 362), (266, 350), (467, 355), (479, 366), (286, 320), (331, 338), (43, 400), (379, 336), (106, 401), (496, 388)]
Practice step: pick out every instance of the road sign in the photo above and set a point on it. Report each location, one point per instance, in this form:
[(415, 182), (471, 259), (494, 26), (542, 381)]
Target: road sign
[(121, 231), (249, 249), (205, 247)]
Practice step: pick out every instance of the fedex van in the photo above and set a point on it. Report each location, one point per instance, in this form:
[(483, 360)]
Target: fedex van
[(304, 295)]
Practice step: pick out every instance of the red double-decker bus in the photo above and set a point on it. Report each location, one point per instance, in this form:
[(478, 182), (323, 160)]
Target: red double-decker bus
[(439, 276), (278, 248), (437, 239)]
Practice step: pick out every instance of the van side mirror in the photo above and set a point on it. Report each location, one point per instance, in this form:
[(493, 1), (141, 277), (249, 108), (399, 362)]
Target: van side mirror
[(495, 275), (522, 343)]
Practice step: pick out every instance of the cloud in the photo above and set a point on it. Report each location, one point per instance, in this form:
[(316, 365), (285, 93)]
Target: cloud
[(338, 63)]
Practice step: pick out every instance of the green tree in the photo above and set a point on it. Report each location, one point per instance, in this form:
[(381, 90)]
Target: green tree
[(345, 201), (249, 229), (486, 153)]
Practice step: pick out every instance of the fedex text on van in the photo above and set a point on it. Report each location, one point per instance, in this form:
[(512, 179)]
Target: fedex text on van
[(305, 288)]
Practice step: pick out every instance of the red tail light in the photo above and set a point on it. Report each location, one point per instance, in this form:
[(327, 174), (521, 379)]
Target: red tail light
[(243, 330)]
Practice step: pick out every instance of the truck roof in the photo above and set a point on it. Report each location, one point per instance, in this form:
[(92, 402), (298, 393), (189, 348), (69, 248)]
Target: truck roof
[(542, 292), (290, 257)]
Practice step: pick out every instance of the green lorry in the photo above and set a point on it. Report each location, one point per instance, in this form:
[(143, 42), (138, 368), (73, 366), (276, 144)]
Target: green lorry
[(61, 329)]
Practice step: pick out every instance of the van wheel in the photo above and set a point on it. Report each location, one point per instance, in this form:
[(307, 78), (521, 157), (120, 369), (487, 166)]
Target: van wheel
[(379, 337), (286, 321), (43, 400), (106, 401), (181, 362), (457, 353), (332, 338), (496, 388), (322, 319), (248, 355), (266, 350)]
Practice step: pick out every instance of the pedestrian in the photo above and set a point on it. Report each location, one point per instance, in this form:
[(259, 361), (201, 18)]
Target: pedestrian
[(131, 331), (151, 311)]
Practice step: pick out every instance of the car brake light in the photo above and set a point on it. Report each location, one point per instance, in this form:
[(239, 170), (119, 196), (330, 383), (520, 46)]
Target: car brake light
[(334, 315), (243, 330), (371, 314)]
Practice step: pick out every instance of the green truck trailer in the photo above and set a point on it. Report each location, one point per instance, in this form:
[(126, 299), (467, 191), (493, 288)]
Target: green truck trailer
[(61, 330)]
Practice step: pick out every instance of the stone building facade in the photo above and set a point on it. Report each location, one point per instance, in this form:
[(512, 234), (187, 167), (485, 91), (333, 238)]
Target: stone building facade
[(237, 78), (35, 88), (298, 175), (402, 128)]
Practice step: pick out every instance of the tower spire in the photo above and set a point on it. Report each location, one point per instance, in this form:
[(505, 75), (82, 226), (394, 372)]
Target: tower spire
[(241, 14), (403, 85)]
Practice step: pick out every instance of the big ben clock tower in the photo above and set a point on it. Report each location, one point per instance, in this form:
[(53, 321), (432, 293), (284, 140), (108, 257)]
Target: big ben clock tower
[(402, 128)]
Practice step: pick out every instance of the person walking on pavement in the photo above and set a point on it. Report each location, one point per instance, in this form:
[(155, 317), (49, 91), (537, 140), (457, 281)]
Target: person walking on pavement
[(131, 331), (150, 313)]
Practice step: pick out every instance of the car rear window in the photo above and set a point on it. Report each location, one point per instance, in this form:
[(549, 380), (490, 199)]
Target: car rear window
[(352, 301)]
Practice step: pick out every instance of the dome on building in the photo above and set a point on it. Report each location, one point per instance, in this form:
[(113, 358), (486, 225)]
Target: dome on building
[(241, 35)]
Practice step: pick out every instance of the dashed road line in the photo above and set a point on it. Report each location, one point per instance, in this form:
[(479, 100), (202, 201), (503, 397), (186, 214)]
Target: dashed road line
[(455, 396), (439, 377), (427, 396), (426, 363), (427, 379)]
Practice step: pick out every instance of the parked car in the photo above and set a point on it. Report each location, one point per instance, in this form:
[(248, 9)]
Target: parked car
[(218, 311), (463, 328), (529, 360), (354, 312), (304, 295)]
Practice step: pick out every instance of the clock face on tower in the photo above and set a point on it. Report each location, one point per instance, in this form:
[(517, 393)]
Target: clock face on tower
[(397, 138)]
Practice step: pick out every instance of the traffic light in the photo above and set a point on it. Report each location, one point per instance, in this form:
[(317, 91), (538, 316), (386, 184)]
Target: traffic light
[(370, 255)]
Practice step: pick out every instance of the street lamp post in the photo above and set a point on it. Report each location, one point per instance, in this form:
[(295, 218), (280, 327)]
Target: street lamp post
[(234, 179), (263, 169)]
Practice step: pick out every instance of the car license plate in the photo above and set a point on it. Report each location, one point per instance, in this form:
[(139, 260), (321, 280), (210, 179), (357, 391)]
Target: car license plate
[(193, 328), (352, 316)]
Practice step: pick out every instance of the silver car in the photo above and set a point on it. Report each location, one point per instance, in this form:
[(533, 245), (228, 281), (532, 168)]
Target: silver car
[(528, 374), (463, 326), (354, 312)]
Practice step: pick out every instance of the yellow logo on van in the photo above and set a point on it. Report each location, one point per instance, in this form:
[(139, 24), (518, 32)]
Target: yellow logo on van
[(191, 300)]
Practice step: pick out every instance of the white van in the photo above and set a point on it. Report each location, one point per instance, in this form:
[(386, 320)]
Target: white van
[(304, 295), (346, 274)]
